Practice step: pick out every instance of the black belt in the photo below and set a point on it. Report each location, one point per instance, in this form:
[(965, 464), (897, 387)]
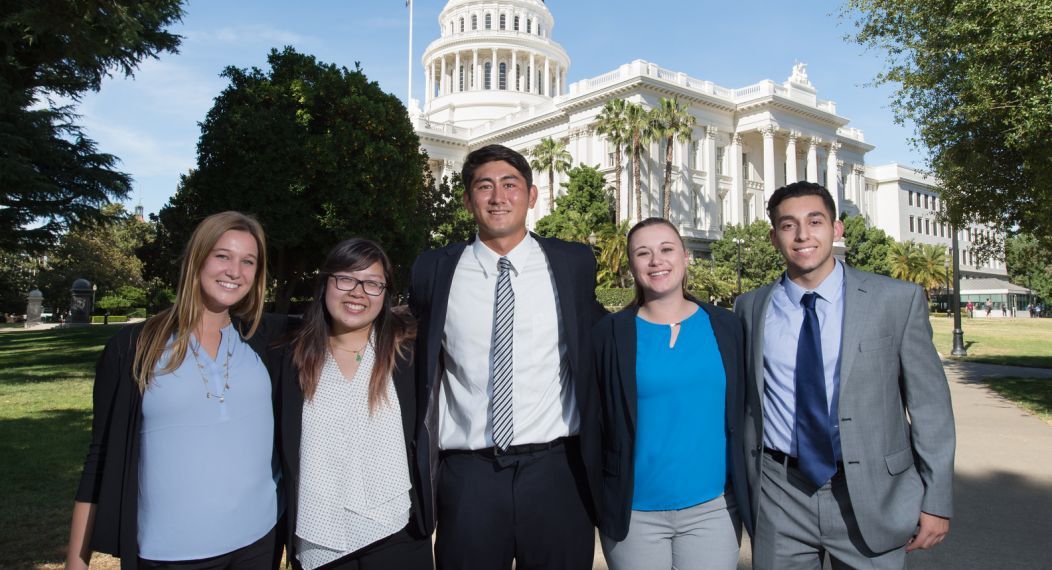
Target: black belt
[(792, 462), (521, 449)]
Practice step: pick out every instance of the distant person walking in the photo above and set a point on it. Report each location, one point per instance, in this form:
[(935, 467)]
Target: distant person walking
[(989, 306)]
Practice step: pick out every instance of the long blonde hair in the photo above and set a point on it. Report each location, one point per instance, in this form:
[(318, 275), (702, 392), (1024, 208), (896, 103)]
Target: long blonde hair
[(181, 318)]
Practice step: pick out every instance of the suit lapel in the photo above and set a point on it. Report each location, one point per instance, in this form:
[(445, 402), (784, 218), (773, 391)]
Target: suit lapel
[(625, 337), (564, 286), (442, 280), (853, 323), (759, 318), (729, 354)]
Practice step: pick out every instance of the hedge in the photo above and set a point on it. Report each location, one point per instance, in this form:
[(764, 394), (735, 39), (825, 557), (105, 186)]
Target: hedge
[(614, 297)]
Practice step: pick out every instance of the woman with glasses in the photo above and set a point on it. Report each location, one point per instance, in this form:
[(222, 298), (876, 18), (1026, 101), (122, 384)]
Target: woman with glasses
[(349, 423)]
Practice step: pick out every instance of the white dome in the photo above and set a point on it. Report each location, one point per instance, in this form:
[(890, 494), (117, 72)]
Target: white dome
[(491, 59)]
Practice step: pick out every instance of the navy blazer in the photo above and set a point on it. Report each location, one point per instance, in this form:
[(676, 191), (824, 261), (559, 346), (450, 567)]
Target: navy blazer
[(573, 269), (110, 479), (615, 364)]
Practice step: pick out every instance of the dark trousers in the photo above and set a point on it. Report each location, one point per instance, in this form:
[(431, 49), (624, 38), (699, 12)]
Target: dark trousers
[(402, 550), (531, 507), (261, 554)]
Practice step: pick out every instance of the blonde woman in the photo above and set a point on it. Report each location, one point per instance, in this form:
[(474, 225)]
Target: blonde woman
[(180, 472)]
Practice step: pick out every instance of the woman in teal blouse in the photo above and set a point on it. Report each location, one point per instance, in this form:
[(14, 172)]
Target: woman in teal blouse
[(669, 369)]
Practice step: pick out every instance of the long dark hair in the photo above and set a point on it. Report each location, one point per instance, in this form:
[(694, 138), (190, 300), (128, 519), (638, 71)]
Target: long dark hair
[(394, 328), (639, 298)]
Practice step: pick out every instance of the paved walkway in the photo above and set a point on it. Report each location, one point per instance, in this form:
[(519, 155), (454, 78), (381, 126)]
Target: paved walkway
[(1003, 495)]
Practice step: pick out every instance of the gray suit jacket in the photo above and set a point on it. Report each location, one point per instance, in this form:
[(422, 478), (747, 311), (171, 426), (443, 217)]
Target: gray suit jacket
[(896, 466)]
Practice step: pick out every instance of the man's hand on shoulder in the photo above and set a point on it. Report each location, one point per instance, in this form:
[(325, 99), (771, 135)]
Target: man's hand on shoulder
[(931, 530)]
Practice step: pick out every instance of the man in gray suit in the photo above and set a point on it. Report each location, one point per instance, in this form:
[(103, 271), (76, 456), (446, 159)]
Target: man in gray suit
[(836, 359)]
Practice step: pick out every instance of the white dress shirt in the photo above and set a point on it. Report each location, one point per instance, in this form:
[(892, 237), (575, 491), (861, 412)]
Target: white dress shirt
[(543, 402)]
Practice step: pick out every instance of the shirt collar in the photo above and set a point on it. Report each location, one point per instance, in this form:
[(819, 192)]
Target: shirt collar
[(830, 289), (487, 258)]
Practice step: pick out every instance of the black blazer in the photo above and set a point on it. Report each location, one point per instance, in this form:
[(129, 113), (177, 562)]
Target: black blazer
[(110, 479), (573, 268), (404, 375), (615, 363)]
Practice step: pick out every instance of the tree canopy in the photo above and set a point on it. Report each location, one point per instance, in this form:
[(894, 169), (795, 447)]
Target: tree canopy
[(584, 209), (52, 176), (761, 262), (317, 153), (975, 77), (866, 246)]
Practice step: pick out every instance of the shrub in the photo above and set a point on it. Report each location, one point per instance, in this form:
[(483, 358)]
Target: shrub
[(614, 297)]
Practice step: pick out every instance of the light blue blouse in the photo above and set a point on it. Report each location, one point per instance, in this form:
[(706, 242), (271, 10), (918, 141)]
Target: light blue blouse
[(681, 443), (207, 479)]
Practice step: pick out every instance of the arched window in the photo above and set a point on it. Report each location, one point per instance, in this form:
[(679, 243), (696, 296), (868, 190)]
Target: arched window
[(462, 24), (529, 26), (474, 21), (503, 22), (518, 77), (460, 81), (503, 77), (539, 84), (489, 21), (487, 75), (515, 23)]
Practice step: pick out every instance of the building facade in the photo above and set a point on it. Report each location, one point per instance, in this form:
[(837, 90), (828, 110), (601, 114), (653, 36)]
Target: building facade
[(496, 75)]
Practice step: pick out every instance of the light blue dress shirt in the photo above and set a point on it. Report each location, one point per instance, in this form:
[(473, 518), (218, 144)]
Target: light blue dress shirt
[(781, 335), (207, 482)]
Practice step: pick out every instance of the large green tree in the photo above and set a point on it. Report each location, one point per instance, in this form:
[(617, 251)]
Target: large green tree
[(319, 154), (671, 121), (1029, 264), (975, 76), (612, 123), (52, 176), (551, 156), (866, 246), (443, 207), (760, 261), (584, 210)]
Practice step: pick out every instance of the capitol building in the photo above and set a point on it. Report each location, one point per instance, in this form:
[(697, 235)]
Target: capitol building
[(496, 74)]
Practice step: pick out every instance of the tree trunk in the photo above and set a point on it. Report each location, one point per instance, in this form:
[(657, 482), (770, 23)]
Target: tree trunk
[(617, 184), (637, 178), (667, 190), (551, 187)]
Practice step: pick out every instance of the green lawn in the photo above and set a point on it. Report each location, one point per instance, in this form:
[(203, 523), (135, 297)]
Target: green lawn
[(1032, 394), (1016, 342), (45, 422)]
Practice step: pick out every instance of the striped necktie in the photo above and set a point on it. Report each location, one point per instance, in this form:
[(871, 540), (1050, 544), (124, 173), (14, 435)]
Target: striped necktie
[(503, 328)]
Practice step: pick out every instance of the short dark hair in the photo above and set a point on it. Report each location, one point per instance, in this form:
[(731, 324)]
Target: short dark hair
[(493, 153), (796, 190)]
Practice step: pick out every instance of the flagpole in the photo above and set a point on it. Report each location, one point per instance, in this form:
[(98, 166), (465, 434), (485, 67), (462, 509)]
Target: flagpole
[(409, 93)]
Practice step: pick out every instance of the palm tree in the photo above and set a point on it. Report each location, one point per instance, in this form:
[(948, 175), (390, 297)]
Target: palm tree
[(613, 256), (612, 122), (671, 121), (639, 130), (931, 267), (902, 257), (551, 155)]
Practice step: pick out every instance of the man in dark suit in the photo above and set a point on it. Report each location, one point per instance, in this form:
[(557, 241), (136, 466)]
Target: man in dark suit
[(849, 435), (511, 417)]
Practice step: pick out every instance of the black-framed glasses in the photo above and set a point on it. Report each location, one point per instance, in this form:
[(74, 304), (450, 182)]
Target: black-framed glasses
[(348, 283)]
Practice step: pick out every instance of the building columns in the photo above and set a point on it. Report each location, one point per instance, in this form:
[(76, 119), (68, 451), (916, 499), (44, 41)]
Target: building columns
[(769, 182), (442, 84), (494, 72), (476, 71), (812, 159), (457, 87), (790, 157), (547, 78), (712, 183), (833, 175), (531, 78), (514, 70), (737, 181)]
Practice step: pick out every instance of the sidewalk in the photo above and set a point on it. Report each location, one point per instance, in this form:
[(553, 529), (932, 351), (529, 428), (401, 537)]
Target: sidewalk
[(1003, 493)]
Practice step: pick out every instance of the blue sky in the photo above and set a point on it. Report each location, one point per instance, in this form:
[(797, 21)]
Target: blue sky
[(151, 121)]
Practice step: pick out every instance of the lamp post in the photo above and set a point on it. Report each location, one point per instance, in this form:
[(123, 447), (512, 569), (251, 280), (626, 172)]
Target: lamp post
[(738, 242), (958, 334), (94, 288)]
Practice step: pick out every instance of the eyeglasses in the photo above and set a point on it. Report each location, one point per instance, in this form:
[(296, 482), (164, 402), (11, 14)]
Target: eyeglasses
[(347, 283)]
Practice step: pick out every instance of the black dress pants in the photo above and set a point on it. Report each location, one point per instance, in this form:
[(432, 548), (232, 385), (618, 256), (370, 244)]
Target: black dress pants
[(530, 506)]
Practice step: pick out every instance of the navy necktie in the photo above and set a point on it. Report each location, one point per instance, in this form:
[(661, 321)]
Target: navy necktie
[(814, 436)]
